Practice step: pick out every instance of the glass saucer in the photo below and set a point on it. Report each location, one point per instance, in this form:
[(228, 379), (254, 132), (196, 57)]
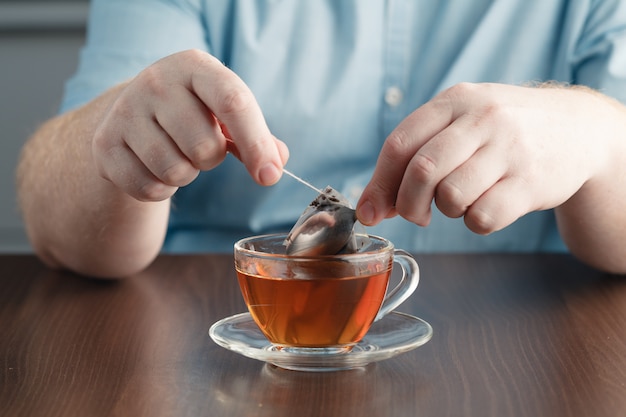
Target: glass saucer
[(395, 333)]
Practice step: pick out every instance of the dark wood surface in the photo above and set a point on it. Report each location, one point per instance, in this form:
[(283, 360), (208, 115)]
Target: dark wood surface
[(514, 335)]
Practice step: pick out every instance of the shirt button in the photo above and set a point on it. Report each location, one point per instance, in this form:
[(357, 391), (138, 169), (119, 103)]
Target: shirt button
[(393, 96)]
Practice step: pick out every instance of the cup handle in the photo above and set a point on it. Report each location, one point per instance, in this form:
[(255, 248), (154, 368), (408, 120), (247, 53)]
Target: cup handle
[(407, 285)]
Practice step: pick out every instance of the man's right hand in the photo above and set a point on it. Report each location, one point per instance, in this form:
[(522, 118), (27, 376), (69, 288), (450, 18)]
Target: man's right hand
[(168, 124)]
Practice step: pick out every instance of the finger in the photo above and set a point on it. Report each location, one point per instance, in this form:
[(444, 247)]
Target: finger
[(499, 206), (379, 197), (463, 186), (434, 161), (155, 149), (192, 127), (283, 150), (122, 167), (232, 102)]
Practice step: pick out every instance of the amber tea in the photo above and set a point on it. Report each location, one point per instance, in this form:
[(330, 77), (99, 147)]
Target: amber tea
[(316, 312)]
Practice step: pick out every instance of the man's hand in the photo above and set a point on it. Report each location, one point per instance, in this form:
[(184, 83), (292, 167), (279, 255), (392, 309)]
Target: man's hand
[(489, 152), (493, 153), (167, 125)]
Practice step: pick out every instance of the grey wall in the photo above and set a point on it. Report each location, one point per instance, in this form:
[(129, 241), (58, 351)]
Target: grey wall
[(39, 44)]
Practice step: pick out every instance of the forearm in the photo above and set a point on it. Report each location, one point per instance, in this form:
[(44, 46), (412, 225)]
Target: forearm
[(74, 218), (593, 221)]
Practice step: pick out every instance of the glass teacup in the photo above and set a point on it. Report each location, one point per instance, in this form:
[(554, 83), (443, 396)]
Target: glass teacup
[(320, 304)]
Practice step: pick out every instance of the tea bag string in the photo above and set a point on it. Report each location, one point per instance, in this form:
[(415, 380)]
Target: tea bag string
[(297, 178)]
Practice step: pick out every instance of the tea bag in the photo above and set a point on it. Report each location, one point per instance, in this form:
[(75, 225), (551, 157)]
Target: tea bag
[(326, 227)]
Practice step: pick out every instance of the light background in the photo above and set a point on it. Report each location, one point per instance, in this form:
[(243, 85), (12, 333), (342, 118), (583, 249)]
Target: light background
[(39, 45)]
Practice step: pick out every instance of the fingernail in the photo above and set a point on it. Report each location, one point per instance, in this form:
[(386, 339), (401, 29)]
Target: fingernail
[(269, 174), (366, 213)]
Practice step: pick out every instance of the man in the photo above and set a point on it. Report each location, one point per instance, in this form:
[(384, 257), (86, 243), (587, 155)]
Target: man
[(396, 104)]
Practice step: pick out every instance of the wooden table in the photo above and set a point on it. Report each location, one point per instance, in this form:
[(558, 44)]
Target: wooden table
[(514, 335)]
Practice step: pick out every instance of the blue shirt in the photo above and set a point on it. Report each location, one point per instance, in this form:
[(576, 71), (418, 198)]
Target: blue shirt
[(334, 78)]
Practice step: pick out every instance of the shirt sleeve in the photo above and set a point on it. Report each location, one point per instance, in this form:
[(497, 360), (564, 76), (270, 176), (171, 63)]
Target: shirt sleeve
[(124, 37), (600, 55)]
